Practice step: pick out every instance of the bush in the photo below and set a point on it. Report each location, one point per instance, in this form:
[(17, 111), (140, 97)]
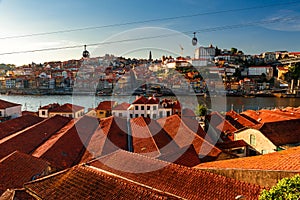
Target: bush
[(285, 189)]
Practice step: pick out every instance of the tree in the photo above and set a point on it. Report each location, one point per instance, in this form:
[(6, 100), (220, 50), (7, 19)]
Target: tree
[(201, 110), (285, 189), (233, 50)]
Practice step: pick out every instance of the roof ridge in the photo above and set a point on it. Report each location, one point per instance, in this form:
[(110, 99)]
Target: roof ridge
[(21, 131), (144, 186), (41, 150)]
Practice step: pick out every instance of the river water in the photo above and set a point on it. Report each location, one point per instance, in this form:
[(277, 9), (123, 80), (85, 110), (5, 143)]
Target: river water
[(221, 104)]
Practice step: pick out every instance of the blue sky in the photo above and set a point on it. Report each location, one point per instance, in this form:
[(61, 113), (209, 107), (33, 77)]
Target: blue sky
[(19, 17)]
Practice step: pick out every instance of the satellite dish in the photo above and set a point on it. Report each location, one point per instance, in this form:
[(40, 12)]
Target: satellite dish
[(194, 40), (85, 53)]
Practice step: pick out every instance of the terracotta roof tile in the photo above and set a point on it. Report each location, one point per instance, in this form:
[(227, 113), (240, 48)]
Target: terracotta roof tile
[(142, 140), (263, 116), (186, 156), (68, 150), (105, 105), (49, 106), (16, 194), (110, 135), (84, 182), (68, 108), (181, 181), (6, 104), (282, 132), (232, 144), (237, 120), (183, 136), (144, 100), (28, 140), (18, 168), (220, 123), (14, 125), (286, 160), (140, 100), (122, 106)]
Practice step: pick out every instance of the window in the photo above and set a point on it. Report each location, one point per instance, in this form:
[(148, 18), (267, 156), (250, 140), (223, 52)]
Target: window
[(148, 116), (120, 114), (0, 113), (43, 112), (148, 107), (70, 115), (142, 115), (131, 115), (264, 151), (154, 116), (136, 115), (142, 107), (154, 107), (168, 113), (136, 107), (252, 140), (101, 112), (160, 114)]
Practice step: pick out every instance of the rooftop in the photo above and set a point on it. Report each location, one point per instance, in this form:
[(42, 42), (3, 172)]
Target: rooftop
[(86, 182), (18, 168), (183, 182), (285, 160), (6, 104), (67, 108), (17, 124)]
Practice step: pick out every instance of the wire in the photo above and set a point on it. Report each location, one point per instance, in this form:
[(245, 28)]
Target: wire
[(220, 28), (147, 21)]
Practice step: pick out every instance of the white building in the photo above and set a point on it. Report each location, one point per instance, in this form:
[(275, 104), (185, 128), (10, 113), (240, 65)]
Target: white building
[(10, 110), (205, 53)]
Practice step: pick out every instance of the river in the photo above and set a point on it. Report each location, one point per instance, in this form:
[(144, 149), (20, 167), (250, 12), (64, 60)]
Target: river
[(32, 102)]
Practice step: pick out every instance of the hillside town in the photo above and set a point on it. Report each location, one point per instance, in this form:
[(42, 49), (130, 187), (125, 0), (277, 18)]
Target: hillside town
[(150, 148), (211, 70)]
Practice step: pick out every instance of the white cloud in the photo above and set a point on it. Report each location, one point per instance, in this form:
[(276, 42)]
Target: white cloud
[(285, 20)]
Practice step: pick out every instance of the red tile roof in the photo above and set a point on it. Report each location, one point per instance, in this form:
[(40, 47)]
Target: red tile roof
[(142, 140), (237, 120), (5, 104), (144, 100), (105, 105), (49, 106), (110, 136), (67, 108), (285, 160), (221, 124), (187, 156), (16, 194), (183, 136), (263, 116), (181, 181), (140, 100), (282, 132), (18, 168), (27, 141), (68, 150), (14, 125), (232, 144), (122, 106), (85, 182)]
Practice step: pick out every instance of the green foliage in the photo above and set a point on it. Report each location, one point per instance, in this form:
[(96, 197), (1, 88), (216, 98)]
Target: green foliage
[(285, 189), (201, 110)]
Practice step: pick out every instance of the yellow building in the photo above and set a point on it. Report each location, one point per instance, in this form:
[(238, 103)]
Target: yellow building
[(104, 109)]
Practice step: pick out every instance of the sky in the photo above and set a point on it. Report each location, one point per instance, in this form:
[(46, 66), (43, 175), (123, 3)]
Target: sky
[(121, 35)]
